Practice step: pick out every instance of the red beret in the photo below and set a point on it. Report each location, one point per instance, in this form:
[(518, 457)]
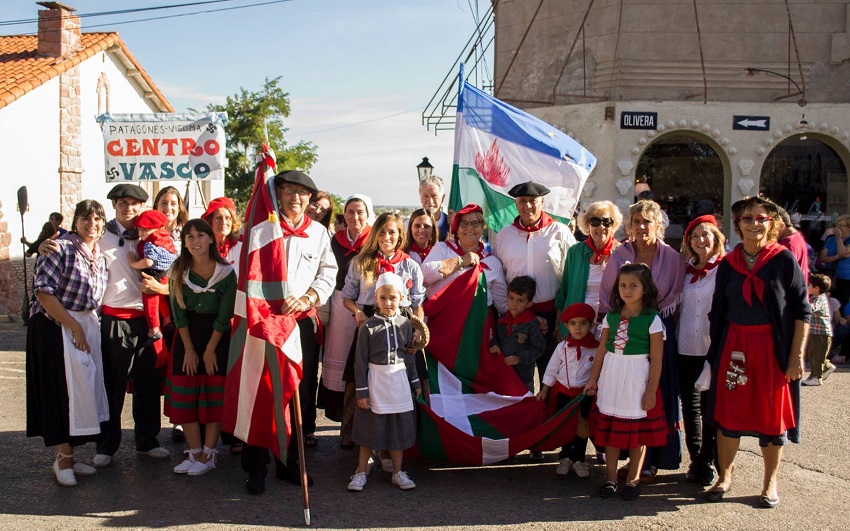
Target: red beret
[(707, 218), (578, 309), (215, 204), (150, 219), (468, 209)]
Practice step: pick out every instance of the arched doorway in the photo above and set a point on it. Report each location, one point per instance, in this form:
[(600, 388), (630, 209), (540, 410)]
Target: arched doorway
[(809, 179), (686, 175)]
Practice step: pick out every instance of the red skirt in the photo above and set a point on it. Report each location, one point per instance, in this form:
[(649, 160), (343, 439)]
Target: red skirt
[(616, 432), (763, 405)]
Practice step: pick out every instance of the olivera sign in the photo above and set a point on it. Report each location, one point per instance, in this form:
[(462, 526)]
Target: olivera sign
[(163, 146)]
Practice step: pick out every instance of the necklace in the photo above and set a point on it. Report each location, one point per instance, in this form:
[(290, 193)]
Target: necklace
[(751, 258)]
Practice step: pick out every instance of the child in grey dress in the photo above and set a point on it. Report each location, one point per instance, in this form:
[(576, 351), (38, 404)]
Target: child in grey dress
[(386, 381)]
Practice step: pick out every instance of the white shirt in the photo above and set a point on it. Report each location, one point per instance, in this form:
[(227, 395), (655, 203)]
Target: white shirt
[(566, 369), (539, 255), (497, 289), (693, 317), (310, 263), (594, 281), (124, 284)]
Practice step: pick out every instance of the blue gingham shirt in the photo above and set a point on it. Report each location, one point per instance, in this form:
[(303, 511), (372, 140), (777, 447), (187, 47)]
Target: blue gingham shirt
[(162, 257), (69, 277)]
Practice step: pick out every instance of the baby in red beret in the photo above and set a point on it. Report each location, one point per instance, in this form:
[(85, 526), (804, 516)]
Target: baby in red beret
[(156, 253)]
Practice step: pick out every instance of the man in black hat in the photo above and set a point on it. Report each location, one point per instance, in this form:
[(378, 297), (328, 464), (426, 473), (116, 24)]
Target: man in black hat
[(535, 245), (311, 275)]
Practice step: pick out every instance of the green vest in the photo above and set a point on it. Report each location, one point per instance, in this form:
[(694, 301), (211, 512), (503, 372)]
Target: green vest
[(638, 342)]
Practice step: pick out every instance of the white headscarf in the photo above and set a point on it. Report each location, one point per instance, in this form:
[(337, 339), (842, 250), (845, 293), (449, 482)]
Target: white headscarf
[(367, 201)]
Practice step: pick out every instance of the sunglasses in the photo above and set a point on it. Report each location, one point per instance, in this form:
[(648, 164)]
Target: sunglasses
[(749, 220), (605, 222)]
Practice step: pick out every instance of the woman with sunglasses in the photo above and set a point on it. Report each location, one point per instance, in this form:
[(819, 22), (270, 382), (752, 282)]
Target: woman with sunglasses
[(584, 264), (759, 322)]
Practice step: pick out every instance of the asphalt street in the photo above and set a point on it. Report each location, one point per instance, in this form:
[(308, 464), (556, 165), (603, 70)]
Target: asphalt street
[(140, 492)]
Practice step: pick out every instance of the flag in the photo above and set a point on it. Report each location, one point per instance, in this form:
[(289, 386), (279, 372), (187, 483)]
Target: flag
[(498, 146), (480, 411), (264, 366)]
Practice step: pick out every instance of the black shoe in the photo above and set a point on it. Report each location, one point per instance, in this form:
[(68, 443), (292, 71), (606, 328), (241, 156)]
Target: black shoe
[(291, 474), (177, 434), (256, 483), (716, 495), (608, 489), (631, 491), (537, 456), (691, 474), (706, 474)]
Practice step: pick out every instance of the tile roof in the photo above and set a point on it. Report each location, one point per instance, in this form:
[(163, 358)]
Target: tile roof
[(22, 69)]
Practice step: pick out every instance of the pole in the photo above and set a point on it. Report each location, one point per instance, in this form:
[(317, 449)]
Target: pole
[(23, 204), (299, 436)]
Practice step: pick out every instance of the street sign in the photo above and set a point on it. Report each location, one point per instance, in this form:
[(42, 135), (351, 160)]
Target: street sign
[(638, 120), (751, 123)]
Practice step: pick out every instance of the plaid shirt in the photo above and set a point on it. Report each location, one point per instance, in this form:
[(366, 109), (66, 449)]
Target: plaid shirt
[(819, 324), (66, 275)]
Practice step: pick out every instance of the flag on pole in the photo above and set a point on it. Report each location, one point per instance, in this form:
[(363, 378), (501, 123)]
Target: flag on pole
[(480, 411), (264, 366), (498, 146)]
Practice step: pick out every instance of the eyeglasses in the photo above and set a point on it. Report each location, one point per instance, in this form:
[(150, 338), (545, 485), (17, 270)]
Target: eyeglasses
[(749, 220), (605, 222), (468, 224), (301, 192), (317, 207)]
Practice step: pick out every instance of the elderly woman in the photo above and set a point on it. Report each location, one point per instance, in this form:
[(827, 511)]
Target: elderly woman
[(703, 248), (345, 244), (836, 249), (66, 397), (584, 264), (321, 209), (759, 322), (644, 226), (221, 215), (169, 202)]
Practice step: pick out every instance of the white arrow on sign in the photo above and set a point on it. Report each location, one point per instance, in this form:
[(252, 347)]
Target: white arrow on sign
[(753, 123)]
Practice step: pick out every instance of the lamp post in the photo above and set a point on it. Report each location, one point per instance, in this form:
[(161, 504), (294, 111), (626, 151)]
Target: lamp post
[(424, 169)]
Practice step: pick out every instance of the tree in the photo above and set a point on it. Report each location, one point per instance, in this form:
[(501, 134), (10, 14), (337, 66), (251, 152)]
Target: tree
[(255, 118)]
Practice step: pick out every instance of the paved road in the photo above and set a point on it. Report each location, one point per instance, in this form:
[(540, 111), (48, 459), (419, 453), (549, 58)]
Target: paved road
[(141, 492)]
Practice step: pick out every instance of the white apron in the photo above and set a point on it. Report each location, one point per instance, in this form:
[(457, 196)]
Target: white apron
[(389, 389), (87, 404), (339, 335), (622, 383)]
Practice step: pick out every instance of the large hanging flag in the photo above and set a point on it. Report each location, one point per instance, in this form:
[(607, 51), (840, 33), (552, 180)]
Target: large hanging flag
[(498, 146), (480, 411), (264, 367)]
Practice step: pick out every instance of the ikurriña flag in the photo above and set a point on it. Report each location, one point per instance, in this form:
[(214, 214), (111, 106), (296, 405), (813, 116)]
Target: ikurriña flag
[(264, 366), (498, 146)]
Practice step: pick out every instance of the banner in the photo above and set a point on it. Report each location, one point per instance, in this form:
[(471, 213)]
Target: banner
[(163, 146)]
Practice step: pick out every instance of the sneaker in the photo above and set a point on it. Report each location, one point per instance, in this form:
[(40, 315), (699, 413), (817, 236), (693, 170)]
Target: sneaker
[(387, 465), (102, 460), (358, 481), (829, 370), (157, 453), (187, 463), (536, 456), (198, 468), (84, 470), (402, 481), (581, 469), (811, 381), (563, 466)]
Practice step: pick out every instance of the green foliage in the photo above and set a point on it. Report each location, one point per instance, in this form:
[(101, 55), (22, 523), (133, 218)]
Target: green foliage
[(252, 115)]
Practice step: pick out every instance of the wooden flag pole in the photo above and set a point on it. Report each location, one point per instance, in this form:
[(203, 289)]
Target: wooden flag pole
[(302, 463)]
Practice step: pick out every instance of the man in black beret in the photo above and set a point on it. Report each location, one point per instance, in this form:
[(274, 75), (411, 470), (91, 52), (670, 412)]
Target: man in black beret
[(131, 191)]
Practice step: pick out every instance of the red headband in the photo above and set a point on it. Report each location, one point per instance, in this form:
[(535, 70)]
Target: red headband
[(215, 204), (468, 209), (578, 309), (150, 219), (706, 218)]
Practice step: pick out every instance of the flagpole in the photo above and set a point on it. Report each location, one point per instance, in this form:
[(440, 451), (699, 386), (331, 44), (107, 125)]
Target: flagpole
[(299, 436)]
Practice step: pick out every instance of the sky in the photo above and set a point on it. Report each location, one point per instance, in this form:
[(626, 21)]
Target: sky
[(358, 72)]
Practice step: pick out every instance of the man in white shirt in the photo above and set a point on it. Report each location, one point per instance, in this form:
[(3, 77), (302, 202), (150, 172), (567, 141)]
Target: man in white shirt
[(431, 197)]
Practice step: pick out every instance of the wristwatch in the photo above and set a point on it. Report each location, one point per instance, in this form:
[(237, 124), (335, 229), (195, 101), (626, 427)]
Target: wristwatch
[(311, 298), (459, 262)]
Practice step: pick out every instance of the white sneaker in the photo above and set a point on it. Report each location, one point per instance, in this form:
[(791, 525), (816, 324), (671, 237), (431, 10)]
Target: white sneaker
[(580, 469), (157, 453), (358, 481), (563, 466), (198, 468), (81, 469), (811, 381), (387, 465), (102, 460), (187, 463), (403, 482), (827, 372)]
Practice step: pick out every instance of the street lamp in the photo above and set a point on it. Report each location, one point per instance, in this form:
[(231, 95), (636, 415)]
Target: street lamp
[(424, 169)]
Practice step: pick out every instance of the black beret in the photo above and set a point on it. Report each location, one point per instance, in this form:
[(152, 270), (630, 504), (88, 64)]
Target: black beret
[(529, 189), (127, 190), (295, 177)]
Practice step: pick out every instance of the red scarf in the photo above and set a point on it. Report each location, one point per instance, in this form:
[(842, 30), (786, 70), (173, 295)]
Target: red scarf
[(159, 238), (605, 251), (455, 246), (751, 281), (226, 245), (700, 272), (341, 238), (509, 320), (387, 265), (300, 232), (587, 341), (423, 253), (544, 221)]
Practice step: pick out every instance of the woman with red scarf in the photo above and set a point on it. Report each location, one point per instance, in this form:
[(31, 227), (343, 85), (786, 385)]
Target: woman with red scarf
[(422, 235), (703, 249), (221, 215), (759, 322)]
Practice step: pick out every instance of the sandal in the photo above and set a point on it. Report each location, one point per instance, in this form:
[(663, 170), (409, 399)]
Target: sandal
[(608, 489), (310, 441)]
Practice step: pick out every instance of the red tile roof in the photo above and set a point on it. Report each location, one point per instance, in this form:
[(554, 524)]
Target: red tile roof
[(22, 69)]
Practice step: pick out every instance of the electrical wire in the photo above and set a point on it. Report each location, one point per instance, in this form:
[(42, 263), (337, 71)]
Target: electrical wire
[(117, 12), (345, 126), (164, 17)]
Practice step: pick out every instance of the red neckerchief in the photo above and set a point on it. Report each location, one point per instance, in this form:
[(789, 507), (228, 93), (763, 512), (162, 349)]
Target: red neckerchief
[(227, 245), (751, 281), (543, 222), (387, 265), (159, 238), (423, 253), (509, 320), (455, 246), (341, 238), (599, 253), (587, 341), (700, 272), (300, 232)]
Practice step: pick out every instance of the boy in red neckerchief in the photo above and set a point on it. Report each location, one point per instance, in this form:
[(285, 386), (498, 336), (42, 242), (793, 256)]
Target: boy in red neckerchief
[(517, 335)]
